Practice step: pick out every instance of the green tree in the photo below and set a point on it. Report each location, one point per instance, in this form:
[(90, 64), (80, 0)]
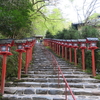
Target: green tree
[(14, 16), (59, 35), (89, 31), (48, 21), (55, 22), (70, 33), (48, 35)]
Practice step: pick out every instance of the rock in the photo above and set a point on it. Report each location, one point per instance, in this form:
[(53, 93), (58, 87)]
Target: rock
[(41, 91), (29, 91)]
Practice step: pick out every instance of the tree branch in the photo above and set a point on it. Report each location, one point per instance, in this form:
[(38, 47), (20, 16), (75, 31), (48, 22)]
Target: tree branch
[(40, 8), (34, 3), (83, 8), (90, 8), (78, 15)]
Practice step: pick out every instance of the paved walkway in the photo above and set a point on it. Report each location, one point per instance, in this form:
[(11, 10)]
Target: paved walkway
[(41, 83)]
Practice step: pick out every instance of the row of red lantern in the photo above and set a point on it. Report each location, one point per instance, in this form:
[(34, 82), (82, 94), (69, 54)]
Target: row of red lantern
[(23, 45), (74, 43), (58, 45)]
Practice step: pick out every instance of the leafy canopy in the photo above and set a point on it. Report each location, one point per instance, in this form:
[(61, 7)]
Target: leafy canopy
[(14, 16)]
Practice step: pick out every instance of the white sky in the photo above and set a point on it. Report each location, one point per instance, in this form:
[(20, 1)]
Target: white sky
[(68, 11)]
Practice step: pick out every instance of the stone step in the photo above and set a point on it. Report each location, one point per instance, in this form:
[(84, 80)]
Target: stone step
[(42, 72), (69, 70), (86, 91), (54, 84), (34, 90), (51, 68), (51, 91), (74, 72), (60, 59), (33, 97), (40, 75), (84, 97), (55, 80), (48, 97), (54, 75), (54, 72)]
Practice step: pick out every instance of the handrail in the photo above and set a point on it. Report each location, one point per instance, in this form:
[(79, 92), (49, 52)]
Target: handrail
[(54, 62)]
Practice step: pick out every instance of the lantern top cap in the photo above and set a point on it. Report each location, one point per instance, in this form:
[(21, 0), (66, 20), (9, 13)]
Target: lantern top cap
[(55, 39), (20, 41), (6, 41), (92, 39), (68, 40), (29, 39), (47, 38), (81, 40), (64, 40), (74, 40), (60, 39)]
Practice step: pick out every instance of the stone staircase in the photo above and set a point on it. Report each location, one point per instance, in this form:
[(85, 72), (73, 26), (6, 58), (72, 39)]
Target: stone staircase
[(41, 82)]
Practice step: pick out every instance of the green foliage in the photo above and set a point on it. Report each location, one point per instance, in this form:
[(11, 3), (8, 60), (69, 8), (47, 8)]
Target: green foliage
[(89, 31), (88, 59), (39, 26), (59, 35), (24, 75), (17, 80), (97, 57), (43, 21), (48, 35), (70, 33), (79, 55), (14, 16), (23, 60), (12, 64), (94, 16), (97, 77), (88, 70), (55, 21)]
